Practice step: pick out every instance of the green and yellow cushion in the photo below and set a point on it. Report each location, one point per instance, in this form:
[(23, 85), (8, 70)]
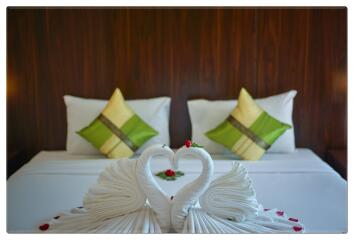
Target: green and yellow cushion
[(117, 132), (249, 130)]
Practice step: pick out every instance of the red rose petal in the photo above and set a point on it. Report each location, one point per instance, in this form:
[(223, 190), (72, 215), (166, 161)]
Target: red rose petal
[(297, 229), (44, 227), (171, 197), (293, 219), (57, 217), (280, 213), (188, 143), (266, 209), (170, 173)]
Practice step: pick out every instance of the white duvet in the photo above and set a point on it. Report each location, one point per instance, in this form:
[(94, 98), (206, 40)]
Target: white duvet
[(299, 183)]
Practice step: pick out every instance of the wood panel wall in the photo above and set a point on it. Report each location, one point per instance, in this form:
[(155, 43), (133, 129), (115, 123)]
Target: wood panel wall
[(183, 53)]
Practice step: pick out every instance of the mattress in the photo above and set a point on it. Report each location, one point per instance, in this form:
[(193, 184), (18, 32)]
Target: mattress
[(299, 183)]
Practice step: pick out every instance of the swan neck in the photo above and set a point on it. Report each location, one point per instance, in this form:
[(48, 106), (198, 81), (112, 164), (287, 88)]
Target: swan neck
[(189, 195), (155, 195), (203, 181), (145, 177)]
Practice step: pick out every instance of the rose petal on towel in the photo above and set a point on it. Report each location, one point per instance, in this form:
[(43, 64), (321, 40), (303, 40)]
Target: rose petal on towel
[(297, 229), (44, 227), (280, 213), (293, 219)]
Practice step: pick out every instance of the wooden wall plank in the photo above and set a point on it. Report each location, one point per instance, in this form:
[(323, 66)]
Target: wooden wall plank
[(305, 49)]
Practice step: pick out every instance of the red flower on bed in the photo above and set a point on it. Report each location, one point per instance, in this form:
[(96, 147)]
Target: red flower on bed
[(188, 143), (170, 173)]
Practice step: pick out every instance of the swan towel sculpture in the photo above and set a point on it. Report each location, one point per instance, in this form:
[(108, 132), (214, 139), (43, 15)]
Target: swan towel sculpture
[(228, 204), (127, 199), (117, 203)]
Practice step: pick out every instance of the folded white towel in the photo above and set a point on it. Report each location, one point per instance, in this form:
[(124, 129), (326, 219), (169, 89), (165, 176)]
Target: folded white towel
[(117, 203), (231, 196)]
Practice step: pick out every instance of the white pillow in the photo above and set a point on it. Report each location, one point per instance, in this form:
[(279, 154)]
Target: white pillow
[(206, 115), (81, 112)]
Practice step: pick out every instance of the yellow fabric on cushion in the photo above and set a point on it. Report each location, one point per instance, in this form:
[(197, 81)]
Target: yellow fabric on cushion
[(117, 102), (107, 146), (247, 109), (122, 150), (246, 112), (247, 149)]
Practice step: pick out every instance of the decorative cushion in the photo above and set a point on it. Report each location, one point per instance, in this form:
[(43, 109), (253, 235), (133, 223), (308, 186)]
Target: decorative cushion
[(206, 114), (117, 132), (249, 130), (81, 111)]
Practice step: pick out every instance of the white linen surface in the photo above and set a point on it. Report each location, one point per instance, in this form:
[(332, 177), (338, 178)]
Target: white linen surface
[(299, 183)]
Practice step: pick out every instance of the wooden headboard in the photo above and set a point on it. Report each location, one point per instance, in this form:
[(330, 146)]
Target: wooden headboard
[(183, 53)]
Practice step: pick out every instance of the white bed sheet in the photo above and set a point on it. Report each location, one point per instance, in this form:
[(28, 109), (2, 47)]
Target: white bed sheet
[(299, 183)]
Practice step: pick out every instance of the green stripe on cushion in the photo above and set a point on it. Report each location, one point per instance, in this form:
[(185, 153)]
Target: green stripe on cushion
[(268, 128), (265, 127), (137, 130), (96, 133), (225, 134)]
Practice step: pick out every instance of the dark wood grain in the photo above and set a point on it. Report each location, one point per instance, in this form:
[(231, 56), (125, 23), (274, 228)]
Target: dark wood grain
[(305, 49), (338, 159), (183, 53)]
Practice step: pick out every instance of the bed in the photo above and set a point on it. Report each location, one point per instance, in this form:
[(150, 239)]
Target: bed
[(299, 183)]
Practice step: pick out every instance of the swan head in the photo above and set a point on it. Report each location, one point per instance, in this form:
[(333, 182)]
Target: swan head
[(194, 152), (159, 150)]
